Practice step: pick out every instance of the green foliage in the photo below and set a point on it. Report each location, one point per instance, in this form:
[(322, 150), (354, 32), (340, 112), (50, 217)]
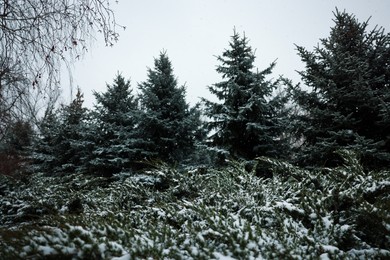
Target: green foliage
[(117, 140), (62, 145), (348, 106), (263, 208), (249, 120), (200, 214), (168, 124)]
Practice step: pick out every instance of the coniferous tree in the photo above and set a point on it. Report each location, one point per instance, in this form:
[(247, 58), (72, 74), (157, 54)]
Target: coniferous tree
[(116, 138), (62, 146), (74, 147), (248, 120), (348, 106), (168, 124), (44, 157), (14, 147)]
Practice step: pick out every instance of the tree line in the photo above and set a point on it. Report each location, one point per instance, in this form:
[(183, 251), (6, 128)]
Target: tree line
[(344, 103)]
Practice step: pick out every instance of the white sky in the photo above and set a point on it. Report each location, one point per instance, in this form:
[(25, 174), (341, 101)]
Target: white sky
[(193, 32)]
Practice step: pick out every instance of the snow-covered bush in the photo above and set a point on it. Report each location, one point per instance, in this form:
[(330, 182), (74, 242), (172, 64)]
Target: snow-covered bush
[(200, 214)]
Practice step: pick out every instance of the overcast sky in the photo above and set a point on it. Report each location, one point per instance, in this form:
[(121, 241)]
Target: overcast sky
[(193, 32)]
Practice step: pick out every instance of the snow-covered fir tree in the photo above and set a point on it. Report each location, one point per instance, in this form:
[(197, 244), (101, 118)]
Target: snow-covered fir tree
[(116, 139), (248, 120), (168, 123), (349, 102), (43, 157), (62, 145)]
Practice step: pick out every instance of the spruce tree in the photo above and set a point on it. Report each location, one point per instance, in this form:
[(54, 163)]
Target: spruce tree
[(116, 139), (62, 145), (348, 105), (74, 148), (43, 147), (168, 124), (248, 120)]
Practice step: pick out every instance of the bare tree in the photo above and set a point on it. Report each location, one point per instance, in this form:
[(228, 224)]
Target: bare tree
[(38, 37)]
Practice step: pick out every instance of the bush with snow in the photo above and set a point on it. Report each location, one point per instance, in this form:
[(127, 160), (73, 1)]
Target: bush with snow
[(213, 213)]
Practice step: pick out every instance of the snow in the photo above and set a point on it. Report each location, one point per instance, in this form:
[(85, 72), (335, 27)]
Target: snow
[(252, 245), (102, 248), (194, 250), (330, 248), (288, 206), (222, 257), (46, 250), (211, 232), (234, 213), (68, 250), (327, 222), (324, 256), (27, 248), (124, 257), (345, 227)]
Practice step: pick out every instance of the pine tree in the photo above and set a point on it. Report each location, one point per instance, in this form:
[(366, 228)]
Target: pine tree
[(248, 120), (116, 138), (43, 147), (62, 146), (348, 105), (168, 124), (75, 147)]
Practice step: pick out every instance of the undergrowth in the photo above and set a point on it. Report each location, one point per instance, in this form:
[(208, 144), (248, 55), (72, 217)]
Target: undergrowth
[(199, 214)]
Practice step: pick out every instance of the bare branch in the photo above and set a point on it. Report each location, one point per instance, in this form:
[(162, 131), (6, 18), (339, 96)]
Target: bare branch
[(38, 37)]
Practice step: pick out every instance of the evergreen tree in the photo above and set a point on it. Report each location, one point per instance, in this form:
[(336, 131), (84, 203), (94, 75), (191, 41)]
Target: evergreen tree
[(44, 157), (248, 120), (115, 136), (13, 147), (62, 146), (168, 124), (348, 105), (76, 147)]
